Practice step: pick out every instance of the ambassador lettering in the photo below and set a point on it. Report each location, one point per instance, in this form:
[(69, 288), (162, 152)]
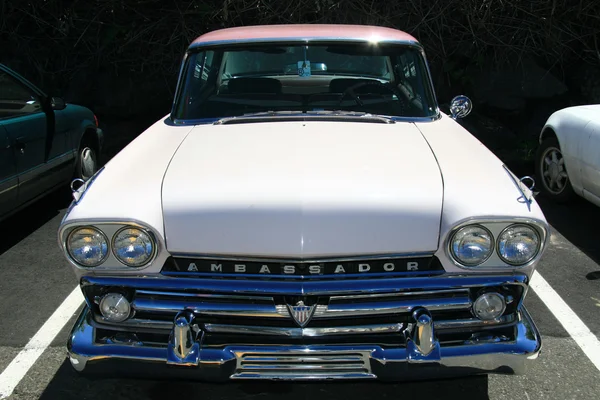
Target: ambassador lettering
[(326, 268)]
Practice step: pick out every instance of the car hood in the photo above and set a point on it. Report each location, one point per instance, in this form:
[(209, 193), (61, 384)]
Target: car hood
[(302, 189)]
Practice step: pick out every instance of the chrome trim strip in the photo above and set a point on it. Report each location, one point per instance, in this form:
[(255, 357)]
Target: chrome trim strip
[(10, 183), (204, 295), (179, 86), (390, 307), (207, 308), (300, 39), (464, 292), (474, 322), (305, 260), (310, 288), (136, 323), (289, 116), (304, 332), (215, 121), (316, 375)]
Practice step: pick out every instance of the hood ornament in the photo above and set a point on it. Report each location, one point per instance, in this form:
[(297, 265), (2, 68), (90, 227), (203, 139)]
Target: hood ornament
[(301, 313), (76, 185)]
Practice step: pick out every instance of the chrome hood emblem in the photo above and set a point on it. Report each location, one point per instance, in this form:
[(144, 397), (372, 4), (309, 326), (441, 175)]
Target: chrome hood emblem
[(301, 313)]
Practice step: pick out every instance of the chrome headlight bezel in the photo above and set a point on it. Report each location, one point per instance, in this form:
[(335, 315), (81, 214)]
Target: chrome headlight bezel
[(457, 231), (109, 228), (538, 247), (69, 252), (496, 226), (145, 232)]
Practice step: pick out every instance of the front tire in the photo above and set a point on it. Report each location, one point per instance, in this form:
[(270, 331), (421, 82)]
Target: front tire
[(551, 172)]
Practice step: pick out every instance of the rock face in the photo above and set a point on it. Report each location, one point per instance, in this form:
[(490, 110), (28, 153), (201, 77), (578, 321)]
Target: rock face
[(508, 87)]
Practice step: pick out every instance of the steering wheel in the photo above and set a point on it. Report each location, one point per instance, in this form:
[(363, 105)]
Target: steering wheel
[(351, 91)]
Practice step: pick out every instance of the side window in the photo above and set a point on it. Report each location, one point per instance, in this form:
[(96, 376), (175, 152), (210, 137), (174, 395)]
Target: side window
[(16, 99)]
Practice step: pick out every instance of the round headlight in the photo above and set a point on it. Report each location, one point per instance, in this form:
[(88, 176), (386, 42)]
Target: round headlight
[(133, 247), (489, 306), (472, 245), (518, 244), (114, 307), (87, 246)]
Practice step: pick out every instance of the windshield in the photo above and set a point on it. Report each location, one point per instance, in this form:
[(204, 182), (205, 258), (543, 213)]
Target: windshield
[(388, 80)]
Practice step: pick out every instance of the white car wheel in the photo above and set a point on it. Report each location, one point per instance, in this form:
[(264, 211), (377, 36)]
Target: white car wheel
[(552, 172)]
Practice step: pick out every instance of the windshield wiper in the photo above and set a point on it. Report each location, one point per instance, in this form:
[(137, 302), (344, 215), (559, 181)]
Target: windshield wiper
[(318, 115)]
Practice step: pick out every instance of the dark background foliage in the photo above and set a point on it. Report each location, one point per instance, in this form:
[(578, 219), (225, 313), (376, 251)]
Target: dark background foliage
[(518, 59)]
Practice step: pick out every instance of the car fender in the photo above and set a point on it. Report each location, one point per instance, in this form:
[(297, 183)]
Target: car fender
[(568, 126)]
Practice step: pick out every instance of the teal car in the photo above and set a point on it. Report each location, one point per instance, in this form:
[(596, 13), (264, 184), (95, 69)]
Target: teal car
[(44, 142)]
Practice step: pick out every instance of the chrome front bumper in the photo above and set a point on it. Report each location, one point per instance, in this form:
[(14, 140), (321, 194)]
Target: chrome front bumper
[(422, 356)]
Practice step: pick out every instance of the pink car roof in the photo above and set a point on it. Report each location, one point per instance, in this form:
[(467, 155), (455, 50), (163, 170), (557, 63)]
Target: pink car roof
[(307, 31)]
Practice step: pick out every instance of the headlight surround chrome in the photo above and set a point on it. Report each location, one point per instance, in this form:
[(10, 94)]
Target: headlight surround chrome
[(518, 244), (87, 246), (132, 246), (472, 245)]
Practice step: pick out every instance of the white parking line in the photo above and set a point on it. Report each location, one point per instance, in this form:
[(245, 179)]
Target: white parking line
[(582, 335), (16, 370)]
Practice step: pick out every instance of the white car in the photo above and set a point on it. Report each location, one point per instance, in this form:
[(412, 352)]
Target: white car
[(568, 158), (304, 212)]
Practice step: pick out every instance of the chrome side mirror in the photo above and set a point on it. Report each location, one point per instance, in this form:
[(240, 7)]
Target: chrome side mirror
[(460, 107)]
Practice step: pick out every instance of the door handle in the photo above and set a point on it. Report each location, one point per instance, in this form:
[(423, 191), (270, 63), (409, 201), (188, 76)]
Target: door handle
[(20, 145)]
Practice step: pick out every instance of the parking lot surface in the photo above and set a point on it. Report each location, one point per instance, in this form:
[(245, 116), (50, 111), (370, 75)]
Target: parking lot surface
[(35, 280)]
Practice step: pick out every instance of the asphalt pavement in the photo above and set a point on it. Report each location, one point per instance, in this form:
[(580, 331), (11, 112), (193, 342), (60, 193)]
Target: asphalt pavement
[(35, 279)]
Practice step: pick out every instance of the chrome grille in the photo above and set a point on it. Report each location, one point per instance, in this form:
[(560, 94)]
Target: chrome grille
[(303, 365), (251, 312), (367, 314), (267, 307)]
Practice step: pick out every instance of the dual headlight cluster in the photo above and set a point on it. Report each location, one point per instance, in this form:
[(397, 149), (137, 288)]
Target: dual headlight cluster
[(89, 246), (516, 245)]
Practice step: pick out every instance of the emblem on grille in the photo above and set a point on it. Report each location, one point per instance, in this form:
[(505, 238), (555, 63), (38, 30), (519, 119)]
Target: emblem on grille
[(301, 313)]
